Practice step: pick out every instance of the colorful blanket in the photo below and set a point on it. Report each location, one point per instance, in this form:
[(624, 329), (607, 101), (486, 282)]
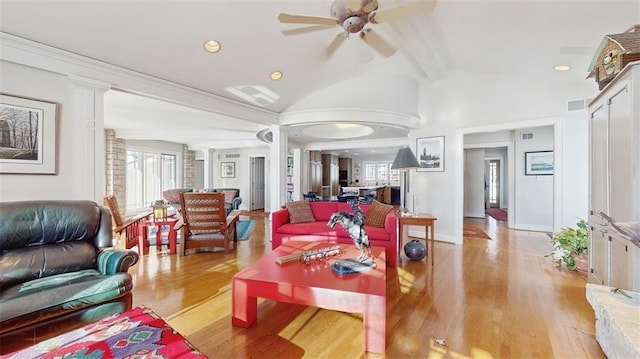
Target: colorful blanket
[(138, 333)]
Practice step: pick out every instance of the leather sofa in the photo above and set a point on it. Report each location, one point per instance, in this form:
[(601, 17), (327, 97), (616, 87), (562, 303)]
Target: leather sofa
[(283, 230), (232, 197), (58, 270)]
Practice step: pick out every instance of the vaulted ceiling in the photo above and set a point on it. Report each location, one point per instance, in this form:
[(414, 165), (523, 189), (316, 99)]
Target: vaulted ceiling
[(164, 39)]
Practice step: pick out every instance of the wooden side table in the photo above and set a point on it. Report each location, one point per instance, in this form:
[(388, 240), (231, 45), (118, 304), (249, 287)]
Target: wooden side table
[(424, 219), (143, 241)]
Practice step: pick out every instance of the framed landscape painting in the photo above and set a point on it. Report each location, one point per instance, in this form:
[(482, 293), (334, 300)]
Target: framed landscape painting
[(538, 163), (228, 170), (27, 135), (430, 154)]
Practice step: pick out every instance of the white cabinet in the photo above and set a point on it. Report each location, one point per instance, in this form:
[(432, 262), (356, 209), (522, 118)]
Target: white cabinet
[(614, 179)]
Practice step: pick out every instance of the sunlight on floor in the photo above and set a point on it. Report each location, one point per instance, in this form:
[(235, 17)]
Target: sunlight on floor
[(406, 280), (442, 351)]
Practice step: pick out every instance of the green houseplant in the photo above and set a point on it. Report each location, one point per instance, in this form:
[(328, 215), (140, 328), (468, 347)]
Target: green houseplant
[(570, 246)]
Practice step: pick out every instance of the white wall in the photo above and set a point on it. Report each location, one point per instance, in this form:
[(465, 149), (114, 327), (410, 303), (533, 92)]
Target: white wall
[(575, 163), (474, 183), (28, 82), (243, 171), (534, 194), (458, 105)]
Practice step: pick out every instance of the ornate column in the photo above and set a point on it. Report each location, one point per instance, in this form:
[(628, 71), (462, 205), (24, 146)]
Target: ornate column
[(87, 115)]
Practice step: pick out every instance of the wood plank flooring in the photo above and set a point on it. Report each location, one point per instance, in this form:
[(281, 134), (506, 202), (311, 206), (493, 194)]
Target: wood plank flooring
[(498, 298)]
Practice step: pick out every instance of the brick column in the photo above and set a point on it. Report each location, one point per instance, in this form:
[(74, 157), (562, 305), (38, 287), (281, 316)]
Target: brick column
[(116, 168)]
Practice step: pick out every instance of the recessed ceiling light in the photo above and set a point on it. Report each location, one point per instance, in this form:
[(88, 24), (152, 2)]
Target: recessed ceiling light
[(276, 75), (562, 68), (212, 46)]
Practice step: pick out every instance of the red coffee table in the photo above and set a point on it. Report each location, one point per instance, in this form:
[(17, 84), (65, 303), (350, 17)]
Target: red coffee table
[(315, 285)]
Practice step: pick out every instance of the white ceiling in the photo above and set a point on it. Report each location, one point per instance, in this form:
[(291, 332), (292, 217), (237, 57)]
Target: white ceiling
[(164, 39)]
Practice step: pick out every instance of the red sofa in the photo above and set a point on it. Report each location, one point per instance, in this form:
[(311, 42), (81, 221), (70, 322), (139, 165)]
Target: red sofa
[(282, 230)]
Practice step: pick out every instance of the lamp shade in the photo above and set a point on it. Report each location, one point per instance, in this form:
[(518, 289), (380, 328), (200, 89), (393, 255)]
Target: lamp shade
[(405, 160)]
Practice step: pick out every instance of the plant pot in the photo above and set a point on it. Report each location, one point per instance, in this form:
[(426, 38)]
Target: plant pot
[(582, 262)]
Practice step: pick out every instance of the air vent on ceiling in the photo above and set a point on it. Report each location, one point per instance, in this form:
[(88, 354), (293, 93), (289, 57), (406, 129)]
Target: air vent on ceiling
[(576, 105), (526, 136), (232, 155)]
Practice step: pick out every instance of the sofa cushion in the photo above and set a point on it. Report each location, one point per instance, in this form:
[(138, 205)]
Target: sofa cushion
[(54, 294), (322, 211), (376, 214), (315, 228), (33, 262), (300, 212)]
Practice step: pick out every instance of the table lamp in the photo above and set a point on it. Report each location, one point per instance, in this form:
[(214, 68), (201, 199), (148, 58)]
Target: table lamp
[(160, 210), (404, 161)]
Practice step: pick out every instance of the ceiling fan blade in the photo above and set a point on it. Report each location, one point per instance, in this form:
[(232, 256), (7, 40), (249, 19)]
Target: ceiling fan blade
[(370, 6), (304, 30), (401, 12), (300, 19), (337, 41), (354, 5), (377, 42)]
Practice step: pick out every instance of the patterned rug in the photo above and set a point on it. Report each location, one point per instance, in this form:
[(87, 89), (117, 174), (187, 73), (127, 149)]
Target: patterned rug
[(497, 213), (138, 333), (469, 232), (245, 228)]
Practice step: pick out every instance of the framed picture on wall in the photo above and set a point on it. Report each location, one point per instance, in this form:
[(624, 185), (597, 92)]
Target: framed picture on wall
[(430, 154), (538, 163), (27, 135), (228, 169)]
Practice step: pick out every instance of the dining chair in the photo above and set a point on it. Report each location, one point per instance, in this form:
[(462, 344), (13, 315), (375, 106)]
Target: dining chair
[(204, 221)]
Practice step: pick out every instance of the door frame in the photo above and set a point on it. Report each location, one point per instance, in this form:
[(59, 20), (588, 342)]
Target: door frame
[(252, 177), (555, 122), (511, 206)]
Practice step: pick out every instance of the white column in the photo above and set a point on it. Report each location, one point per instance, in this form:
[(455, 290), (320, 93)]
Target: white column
[(209, 168), (89, 153), (278, 168)]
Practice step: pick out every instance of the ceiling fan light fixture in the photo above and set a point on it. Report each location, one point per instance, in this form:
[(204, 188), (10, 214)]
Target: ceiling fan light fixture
[(276, 75), (212, 46)]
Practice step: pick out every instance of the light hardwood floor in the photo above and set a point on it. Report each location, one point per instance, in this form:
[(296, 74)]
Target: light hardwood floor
[(498, 298)]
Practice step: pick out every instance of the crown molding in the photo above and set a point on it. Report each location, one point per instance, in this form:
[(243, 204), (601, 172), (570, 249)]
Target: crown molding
[(350, 115), (30, 53)]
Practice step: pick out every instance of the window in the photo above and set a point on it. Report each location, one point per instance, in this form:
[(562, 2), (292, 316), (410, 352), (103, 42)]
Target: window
[(380, 173), (148, 174)]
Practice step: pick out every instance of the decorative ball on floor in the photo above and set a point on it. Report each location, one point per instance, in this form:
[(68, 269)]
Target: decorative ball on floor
[(415, 250)]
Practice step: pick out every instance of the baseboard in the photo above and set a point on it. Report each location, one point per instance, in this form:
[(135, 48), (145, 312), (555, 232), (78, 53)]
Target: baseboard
[(527, 227), (474, 215)]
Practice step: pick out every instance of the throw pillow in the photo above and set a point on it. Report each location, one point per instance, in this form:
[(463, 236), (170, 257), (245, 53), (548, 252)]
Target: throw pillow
[(300, 212), (376, 214)]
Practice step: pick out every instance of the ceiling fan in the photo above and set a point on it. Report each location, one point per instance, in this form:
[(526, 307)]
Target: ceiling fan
[(352, 16)]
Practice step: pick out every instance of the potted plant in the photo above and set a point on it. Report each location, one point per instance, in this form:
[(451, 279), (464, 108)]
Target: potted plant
[(570, 246)]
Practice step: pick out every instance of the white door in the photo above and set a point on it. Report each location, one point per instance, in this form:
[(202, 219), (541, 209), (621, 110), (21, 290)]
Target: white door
[(257, 183)]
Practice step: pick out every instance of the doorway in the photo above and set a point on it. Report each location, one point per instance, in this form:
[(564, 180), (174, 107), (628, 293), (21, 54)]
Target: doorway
[(493, 183), (257, 178)]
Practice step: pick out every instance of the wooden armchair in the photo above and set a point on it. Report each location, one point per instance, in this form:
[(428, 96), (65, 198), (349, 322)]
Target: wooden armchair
[(204, 221), (127, 230)]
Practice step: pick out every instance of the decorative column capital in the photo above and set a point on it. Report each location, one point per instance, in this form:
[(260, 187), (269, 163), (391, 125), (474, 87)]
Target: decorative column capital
[(89, 84)]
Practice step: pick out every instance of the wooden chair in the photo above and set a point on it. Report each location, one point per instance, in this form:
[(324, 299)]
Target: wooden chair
[(127, 230), (204, 221)]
